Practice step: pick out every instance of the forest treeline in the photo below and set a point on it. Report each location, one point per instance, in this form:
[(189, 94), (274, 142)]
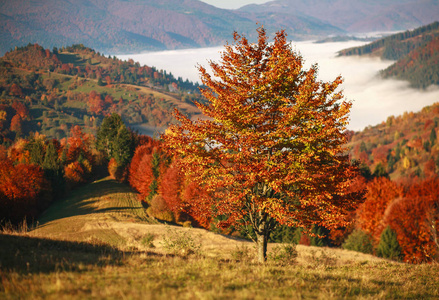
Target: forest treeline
[(416, 53), (398, 219), (50, 91)]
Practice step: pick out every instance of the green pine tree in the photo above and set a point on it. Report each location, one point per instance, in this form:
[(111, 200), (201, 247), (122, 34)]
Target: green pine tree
[(380, 171), (389, 246), (433, 136), (36, 151), (358, 241), (53, 170), (100, 82), (51, 160), (115, 140)]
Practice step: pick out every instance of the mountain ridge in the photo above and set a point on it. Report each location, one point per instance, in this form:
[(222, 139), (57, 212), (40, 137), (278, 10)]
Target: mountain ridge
[(357, 16), (129, 26)]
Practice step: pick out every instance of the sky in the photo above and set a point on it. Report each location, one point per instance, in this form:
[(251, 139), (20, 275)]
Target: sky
[(233, 4), (374, 99)]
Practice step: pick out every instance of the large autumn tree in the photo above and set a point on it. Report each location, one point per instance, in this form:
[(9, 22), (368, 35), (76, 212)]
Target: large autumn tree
[(271, 150)]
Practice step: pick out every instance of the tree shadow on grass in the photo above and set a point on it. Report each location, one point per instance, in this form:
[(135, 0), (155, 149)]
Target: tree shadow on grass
[(83, 200), (24, 254)]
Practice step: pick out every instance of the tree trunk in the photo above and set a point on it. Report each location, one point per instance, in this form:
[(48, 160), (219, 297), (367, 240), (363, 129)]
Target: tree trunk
[(262, 248), (262, 241)]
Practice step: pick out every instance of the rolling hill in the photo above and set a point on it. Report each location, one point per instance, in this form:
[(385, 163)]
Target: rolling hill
[(405, 147), (76, 85), (416, 53)]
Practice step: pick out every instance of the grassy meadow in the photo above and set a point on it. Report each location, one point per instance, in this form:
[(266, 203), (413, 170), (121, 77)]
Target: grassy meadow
[(98, 243)]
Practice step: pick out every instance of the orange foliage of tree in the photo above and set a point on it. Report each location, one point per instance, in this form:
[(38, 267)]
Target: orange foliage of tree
[(380, 193), (21, 109), (80, 159), (15, 90), (194, 200), (95, 103), (338, 235), (78, 145), (170, 189), (380, 154), (17, 152), (140, 169), (430, 168), (75, 174), (109, 99), (409, 218), (272, 150), (16, 123), (141, 175), (23, 191), (112, 168)]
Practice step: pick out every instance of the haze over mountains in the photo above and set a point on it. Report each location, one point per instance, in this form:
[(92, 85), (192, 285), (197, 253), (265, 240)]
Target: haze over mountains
[(353, 16), (121, 26)]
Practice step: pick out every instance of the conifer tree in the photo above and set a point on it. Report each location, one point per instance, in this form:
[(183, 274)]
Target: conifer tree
[(433, 136), (115, 140), (389, 246), (54, 170)]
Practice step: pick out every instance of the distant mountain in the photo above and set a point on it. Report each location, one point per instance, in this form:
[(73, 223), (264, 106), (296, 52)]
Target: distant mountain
[(118, 26), (352, 15), (128, 26), (416, 52), (115, 25)]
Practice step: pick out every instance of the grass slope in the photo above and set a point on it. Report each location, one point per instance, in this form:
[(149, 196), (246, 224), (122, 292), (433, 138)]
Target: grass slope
[(90, 245), (87, 213)]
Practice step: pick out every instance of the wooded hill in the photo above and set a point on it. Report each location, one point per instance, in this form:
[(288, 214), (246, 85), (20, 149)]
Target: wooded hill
[(120, 26), (404, 147), (50, 91), (416, 53)]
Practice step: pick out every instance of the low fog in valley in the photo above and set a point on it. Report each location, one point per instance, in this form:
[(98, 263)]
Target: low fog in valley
[(374, 98)]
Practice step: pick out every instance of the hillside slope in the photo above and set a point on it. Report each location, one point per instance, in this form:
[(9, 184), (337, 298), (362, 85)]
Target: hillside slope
[(87, 212), (106, 212), (405, 146), (416, 53), (420, 67), (75, 85)]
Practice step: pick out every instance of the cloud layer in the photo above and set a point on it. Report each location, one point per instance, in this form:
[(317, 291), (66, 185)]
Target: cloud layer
[(374, 99)]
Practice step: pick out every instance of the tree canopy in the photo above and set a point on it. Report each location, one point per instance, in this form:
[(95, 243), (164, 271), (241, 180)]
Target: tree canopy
[(271, 148)]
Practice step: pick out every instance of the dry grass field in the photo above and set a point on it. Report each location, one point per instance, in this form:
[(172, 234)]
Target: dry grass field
[(98, 243)]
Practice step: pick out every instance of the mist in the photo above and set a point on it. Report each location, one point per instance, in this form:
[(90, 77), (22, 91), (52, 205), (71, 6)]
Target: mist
[(374, 99)]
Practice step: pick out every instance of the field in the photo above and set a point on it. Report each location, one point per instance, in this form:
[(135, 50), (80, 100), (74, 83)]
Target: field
[(99, 243)]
